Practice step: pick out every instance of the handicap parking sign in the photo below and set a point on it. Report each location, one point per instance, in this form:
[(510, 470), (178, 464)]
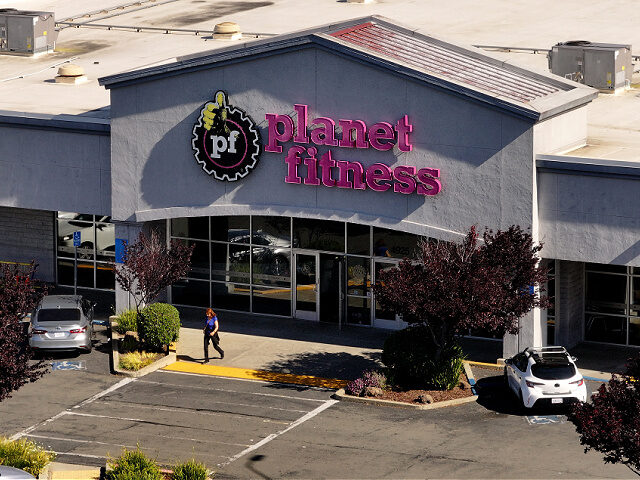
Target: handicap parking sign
[(76, 239), (545, 419), (68, 365)]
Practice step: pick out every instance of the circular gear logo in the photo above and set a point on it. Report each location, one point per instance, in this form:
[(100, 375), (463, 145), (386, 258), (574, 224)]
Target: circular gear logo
[(225, 140)]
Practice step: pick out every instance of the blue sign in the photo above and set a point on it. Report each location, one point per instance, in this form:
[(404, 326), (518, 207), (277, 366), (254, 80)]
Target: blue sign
[(121, 243), (77, 239)]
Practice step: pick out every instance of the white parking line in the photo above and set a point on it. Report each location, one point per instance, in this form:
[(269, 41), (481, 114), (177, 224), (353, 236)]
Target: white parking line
[(267, 439), (112, 388), (198, 387)]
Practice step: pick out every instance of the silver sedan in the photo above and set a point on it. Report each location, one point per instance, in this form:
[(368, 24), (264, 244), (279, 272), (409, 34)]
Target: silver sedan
[(62, 322)]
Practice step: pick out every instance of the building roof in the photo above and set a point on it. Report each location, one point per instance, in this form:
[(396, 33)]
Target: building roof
[(380, 42)]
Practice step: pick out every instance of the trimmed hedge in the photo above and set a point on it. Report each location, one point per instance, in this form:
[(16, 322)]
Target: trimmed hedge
[(25, 455), (159, 325), (409, 356)]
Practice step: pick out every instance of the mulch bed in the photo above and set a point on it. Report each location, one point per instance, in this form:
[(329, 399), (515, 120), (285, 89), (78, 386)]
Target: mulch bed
[(410, 396)]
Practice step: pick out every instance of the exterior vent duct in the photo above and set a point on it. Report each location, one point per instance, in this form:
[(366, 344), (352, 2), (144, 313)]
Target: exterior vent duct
[(71, 74), (604, 66), (26, 33), (227, 31)]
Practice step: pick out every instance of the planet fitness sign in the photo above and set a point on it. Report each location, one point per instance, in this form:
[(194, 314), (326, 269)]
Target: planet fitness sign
[(225, 141), (381, 136)]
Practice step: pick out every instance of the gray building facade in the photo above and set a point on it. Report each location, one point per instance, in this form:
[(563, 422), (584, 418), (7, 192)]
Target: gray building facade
[(453, 138)]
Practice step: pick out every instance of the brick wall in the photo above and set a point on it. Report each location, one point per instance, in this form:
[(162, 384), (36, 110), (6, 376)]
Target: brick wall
[(570, 303), (27, 235)]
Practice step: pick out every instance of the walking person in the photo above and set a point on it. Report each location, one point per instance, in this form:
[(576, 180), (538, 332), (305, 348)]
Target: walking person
[(211, 334)]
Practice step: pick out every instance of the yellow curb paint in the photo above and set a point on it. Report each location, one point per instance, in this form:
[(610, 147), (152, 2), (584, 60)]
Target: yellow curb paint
[(91, 474), (483, 363), (234, 372)]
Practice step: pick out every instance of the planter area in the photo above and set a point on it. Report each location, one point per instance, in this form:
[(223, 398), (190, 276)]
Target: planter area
[(420, 399), (117, 341)]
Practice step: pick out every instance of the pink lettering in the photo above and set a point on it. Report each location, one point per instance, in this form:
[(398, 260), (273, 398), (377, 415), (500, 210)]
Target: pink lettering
[(274, 134), (326, 163), (357, 170), (378, 172), (360, 129), (324, 134), (293, 160), (404, 128), (381, 131), (429, 177), (404, 175), (301, 128), (312, 167)]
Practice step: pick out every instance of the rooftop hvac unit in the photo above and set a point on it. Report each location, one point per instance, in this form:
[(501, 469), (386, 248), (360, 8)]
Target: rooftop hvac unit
[(604, 66), (26, 33)]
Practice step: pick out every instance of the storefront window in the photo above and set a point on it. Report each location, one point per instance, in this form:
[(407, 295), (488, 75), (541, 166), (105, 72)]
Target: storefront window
[(246, 263), (391, 243), (191, 227), (322, 235), (96, 252), (274, 231), (271, 266), (273, 301), (612, 304), (230, 229), (381, 313), (230, 263), (358, 239), (231, 296)]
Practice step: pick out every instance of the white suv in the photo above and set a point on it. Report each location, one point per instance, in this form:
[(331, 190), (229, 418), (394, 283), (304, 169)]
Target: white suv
[(545, 376)]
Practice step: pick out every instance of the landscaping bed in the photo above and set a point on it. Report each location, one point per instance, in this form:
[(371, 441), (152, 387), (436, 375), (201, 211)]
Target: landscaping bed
[(412, 396)]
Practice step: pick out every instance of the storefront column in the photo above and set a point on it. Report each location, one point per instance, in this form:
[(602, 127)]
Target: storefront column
[(129, 232), (570, 303), (533, 333)]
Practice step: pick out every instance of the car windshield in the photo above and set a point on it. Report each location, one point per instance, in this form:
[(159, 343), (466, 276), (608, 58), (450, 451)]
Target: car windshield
[(553, 372), (59, 315)]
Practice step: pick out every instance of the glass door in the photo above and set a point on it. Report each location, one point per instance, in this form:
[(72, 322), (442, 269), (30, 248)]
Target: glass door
[(306, 286)]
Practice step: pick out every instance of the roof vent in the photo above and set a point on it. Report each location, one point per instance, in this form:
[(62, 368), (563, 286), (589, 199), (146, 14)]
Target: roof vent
[(359, 1), (227, 31), (71, 74)]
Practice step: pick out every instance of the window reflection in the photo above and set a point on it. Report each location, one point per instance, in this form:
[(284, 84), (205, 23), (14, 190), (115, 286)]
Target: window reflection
[(230, 262), (314, 234), (271, 266), (391, 243), (230, 229), (274, 231), (358, 280), (191, 227)]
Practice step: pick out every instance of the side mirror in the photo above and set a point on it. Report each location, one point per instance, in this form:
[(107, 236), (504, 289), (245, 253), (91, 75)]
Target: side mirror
[(507, 361), (575, 359)]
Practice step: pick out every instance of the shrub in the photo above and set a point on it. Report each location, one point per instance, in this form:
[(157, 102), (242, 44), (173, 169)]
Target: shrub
[(409, 356), (191, 470), (369, 379), (133, 465), (129, 344), (25, 455), (127, 322), (159, 325), (137, 360)]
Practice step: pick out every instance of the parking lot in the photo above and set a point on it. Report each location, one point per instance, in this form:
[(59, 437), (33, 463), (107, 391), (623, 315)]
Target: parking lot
[(248, 429)]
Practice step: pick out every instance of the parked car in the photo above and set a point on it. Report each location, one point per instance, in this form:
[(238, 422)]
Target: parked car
[(62, 322), (545, 376), (11, 473)]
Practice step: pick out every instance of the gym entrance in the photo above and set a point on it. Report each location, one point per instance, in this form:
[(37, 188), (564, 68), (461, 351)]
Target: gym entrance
[(318, 284)]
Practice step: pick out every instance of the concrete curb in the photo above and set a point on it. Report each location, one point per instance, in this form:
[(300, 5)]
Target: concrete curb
[(341, 395)]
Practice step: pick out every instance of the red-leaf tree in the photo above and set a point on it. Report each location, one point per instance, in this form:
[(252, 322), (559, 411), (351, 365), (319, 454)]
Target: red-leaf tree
[(454, 287), (149, 266), (19, 295), (610, 424)]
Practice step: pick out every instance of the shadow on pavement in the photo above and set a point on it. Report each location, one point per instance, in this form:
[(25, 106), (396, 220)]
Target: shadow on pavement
[(340, 365)]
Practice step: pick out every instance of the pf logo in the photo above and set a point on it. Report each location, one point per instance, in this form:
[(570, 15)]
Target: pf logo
[(225, 140)]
